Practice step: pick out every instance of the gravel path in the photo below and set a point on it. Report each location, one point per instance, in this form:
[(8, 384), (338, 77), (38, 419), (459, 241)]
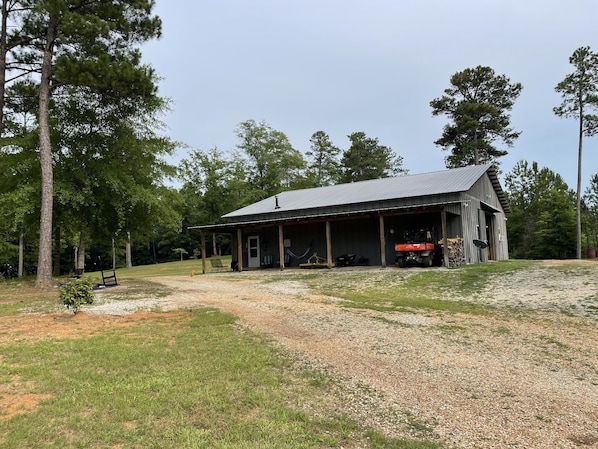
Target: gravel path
[(511, 379)]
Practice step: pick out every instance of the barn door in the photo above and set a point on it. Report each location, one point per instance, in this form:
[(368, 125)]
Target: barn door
[(490, 237)]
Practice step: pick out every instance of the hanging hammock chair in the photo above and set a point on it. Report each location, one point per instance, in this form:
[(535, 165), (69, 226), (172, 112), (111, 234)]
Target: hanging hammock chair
[(295, 256)]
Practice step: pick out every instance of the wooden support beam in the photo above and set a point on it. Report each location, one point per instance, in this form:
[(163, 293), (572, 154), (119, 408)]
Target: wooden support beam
[(445, 238), (382, 242), (240, 249), (203, 252), (328, 245), (281, 247)]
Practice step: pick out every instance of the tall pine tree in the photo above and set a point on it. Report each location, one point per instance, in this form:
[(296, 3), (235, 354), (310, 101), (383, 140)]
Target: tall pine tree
[(477, 103), (579, 91), (75, 44)]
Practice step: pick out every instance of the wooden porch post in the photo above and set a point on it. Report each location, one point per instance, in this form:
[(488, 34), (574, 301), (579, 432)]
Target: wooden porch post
[(382, 242), (239, 249), (328, 245), (281, 247), (444, 239), (203, 252)]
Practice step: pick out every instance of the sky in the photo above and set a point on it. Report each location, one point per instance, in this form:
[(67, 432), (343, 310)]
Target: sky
[(342, 66)]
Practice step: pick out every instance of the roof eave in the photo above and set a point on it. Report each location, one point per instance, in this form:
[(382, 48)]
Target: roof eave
[(502, 197)]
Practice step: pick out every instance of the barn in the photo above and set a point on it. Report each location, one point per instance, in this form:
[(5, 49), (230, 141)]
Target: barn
[(361, 222)]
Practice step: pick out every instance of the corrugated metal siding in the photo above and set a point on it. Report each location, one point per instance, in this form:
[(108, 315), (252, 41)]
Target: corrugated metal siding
[(484, 203), (361, 237), (500, 236), (470, 224), (347, 237), (310, 236), (305, 240), (484, 190)]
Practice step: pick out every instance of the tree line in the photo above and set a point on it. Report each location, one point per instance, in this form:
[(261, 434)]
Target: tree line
[(85, 183)]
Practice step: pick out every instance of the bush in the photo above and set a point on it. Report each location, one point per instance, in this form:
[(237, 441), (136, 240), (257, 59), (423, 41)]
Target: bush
[(76, 293), (7, 271)]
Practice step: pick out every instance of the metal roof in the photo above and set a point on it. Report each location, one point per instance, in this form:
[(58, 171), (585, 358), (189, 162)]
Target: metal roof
[(435, 183)]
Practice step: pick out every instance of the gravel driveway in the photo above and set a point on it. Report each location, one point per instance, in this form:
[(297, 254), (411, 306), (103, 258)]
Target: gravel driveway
[(511, 379)]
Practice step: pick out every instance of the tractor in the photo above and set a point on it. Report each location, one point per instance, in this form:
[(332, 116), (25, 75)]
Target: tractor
[(417, 249)]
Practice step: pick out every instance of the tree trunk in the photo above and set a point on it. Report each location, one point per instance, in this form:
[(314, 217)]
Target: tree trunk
[(128, 262), (578, 195), (56, 263), (21, 252), (476, 151), (113, 254), (3, 51), (80, 264), (44, 263)]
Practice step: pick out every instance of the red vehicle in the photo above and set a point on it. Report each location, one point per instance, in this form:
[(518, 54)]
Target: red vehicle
[(418, 249)]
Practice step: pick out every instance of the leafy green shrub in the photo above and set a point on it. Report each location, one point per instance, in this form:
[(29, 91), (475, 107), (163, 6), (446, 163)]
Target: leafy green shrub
[(77, 292)]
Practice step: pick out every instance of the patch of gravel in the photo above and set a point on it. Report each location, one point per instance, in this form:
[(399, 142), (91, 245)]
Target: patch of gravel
[(505, 380), (547, 289), (104, 306)]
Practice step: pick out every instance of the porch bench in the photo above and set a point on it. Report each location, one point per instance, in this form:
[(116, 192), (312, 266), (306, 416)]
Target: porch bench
[(217, 265)]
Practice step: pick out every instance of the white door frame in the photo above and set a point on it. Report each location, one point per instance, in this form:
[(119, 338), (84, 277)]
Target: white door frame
[(253, 251)]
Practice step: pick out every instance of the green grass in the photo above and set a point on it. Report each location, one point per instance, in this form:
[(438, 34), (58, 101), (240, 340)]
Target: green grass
[(180, 380), (469, 279), (553, 341), (404, 290), (20, 295), (179, 268), (194, 379), (194, 382), (393, 302)]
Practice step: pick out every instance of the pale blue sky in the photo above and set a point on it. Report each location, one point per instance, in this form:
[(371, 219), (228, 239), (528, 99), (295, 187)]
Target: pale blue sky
[(371, 66)]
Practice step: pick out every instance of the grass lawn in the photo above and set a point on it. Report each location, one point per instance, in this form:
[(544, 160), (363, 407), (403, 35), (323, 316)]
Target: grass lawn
[(193, 379), (187, 379), (181, 381), (415, 288)]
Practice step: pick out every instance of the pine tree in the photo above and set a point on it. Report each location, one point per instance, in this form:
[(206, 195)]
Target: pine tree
[(477, 103), (579, 91), (82, 45)]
